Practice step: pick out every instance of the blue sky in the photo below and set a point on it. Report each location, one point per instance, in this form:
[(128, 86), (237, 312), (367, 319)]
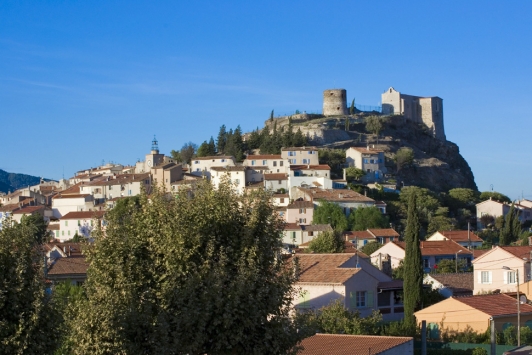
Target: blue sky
[(82, 82)]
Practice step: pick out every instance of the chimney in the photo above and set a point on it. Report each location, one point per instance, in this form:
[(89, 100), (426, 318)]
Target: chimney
[(346, 238)]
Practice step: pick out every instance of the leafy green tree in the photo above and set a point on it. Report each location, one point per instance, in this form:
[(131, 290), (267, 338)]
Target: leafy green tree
[(28, 318), (288, 134), (370, 248), (203, 150), (367, 217), (511, 231), (374, 125), (176, 155), (413, 272), (352, 173), (448, 266), (439, 223), (254, 139), (426, 203), (37, 226), (327, 242), (65, 296), (299, 139), (399, 272), (212, 147), (330, 213), (404, 157), (188, 151), (189, 275), (234, 145), (494, 195), (464, 198), (335, 158)]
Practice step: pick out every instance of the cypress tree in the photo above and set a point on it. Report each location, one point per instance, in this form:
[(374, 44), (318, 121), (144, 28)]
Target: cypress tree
[(352, 108), (511, 230), (413, 271)]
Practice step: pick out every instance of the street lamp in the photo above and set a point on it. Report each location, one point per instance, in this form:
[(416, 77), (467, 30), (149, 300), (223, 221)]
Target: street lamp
[(518, 305), (456, 260)]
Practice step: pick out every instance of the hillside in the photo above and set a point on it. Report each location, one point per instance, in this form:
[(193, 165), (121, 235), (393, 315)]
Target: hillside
[(437, 165), (10, 182)]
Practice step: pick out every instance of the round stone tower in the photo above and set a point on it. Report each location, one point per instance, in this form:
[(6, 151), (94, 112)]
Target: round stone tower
[(334, 102)]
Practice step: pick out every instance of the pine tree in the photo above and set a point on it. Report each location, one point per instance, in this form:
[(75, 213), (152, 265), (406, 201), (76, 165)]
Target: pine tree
[(299, 139), (288, 135), (212, 147), (221, 140), (203, 150), (413, 270)]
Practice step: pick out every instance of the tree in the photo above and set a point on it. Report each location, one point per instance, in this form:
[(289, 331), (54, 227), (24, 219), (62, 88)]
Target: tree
[(413, 272), (370, 248), (464, 198), (511, 231), (234, 144), (188, 151), (327, 242), (448, 266), (330, 213), (203, 150), (352, 108), (352, 173), (36, 226), (367, 217), (188, 275), (271, 116), (439, 223), (212, 147), (426, 203), (221, 140), (374, 125), (176, 155), (494, 195), (28, 318), (299, 139), (347, 124), (404, 157), (254, 139)]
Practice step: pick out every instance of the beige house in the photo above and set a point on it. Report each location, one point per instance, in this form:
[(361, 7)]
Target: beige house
[(495, 209), (82, 223), (276, 182), (464, 238), (348, 200), (280, 199), (490, 274), (202, 166), (342, 344), (298, 234), (432, 252), (235, 174), (164, 175), (63, 204), (360, 286), (268, 163), (368, 159), (457, 314), (110, 187), (300, 155), (300, 212), (43, 211)]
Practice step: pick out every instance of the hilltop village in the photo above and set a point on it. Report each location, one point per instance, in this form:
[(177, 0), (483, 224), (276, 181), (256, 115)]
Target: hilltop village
[(473, 267)]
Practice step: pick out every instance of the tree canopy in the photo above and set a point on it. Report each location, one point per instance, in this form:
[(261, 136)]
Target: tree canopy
[(327, 242), (494, 195), (188, 275), (367, 217), (330, 213)]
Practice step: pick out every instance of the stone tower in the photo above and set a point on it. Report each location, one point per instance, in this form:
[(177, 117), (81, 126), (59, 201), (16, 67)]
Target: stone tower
[(334, 102)]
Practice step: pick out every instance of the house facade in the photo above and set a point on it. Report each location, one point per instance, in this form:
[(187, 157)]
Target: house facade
[(300, 155), (202, 166), (467, 239), (368, 159)]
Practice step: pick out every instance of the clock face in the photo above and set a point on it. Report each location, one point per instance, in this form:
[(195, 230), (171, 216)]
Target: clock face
[(149, 163)]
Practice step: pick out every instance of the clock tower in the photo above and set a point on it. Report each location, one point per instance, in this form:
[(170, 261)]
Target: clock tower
[(154, 158)]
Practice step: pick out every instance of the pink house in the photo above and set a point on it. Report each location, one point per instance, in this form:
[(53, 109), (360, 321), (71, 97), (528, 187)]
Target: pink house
[(300, 212)]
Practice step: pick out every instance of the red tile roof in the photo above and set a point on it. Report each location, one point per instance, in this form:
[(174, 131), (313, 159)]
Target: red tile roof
[(461, 236), (310, 167), (437, 247), (68, 266), (83, 215), (341, 344), (275, 177), (325, 268), (336, 195), (29, 209), (264, 157), (384, 232), (520, 252), (494, 305), (300, 204), (359, 234)]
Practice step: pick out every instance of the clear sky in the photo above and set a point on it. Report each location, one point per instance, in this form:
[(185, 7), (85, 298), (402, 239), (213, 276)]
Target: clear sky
[(83, 82)]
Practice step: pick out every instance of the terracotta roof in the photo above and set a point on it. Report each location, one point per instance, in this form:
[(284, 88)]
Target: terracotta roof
[(367, 150), (310, 167), (264, 157), (461, 236), (299, 148), (341, 344), (292, 227), (53, 227), (479, 252), (325, 268), (337, 195), (495, 304), (520, 252), (275, 177), (83, 215), (359, 234), (460, 282), (228, 168), (437, 247), (68, 266), (60, 195), (384, 232), (214, 157), (28, 209), (317, 227), (301, 204), (278, 195)]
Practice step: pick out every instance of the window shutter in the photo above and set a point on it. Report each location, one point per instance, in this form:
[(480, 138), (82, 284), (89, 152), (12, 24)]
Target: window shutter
[(370, 299), (505, 276), (480, 277), (489, 277)]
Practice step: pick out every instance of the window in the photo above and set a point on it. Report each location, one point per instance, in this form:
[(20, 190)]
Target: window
[(274, 163), (264, 162), (198, 169), (509, 277), (223, 160), (361, 299), (291, 154), (302, 220), (111, 187), (279, 182), (304, 299), (62, 233), (281, 214), (69, 232), (426, 263), (57, 234), (66, 223), (305, 161), (294, 236), (281, 200), (280, 163), (302, 210), (310, 234), (196, 161), (253, 162), (310, 152), (293, 161), (365, 161), (485, 277), (237, 181)]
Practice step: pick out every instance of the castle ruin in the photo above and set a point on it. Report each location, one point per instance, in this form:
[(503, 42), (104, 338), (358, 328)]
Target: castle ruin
[(334, 102)]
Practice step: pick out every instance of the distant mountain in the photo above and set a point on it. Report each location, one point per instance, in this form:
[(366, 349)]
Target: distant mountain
[(13, 181)]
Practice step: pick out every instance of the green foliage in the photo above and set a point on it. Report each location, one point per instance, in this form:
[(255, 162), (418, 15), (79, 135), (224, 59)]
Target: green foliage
[(398, 329), (234, 145), (221, 139), (413, 272), (330, 213), (399, 272), (367, 217), (374, 124), (187, 152), (370, 248), (439, 223), (430, 297), (66, 296), (335, 158), (37, 227), (403, 157), (511, 231), (253, 142), (494, 195), (426, 202), (351, 109), (190, 275), (271, 116), (352, 173), (207, 149), (463, 198), (347, 124), (327, 242), (28, 318), (176, 155), (448, 266)]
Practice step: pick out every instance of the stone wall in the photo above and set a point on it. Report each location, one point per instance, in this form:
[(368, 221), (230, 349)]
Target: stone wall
[(334, 102)]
